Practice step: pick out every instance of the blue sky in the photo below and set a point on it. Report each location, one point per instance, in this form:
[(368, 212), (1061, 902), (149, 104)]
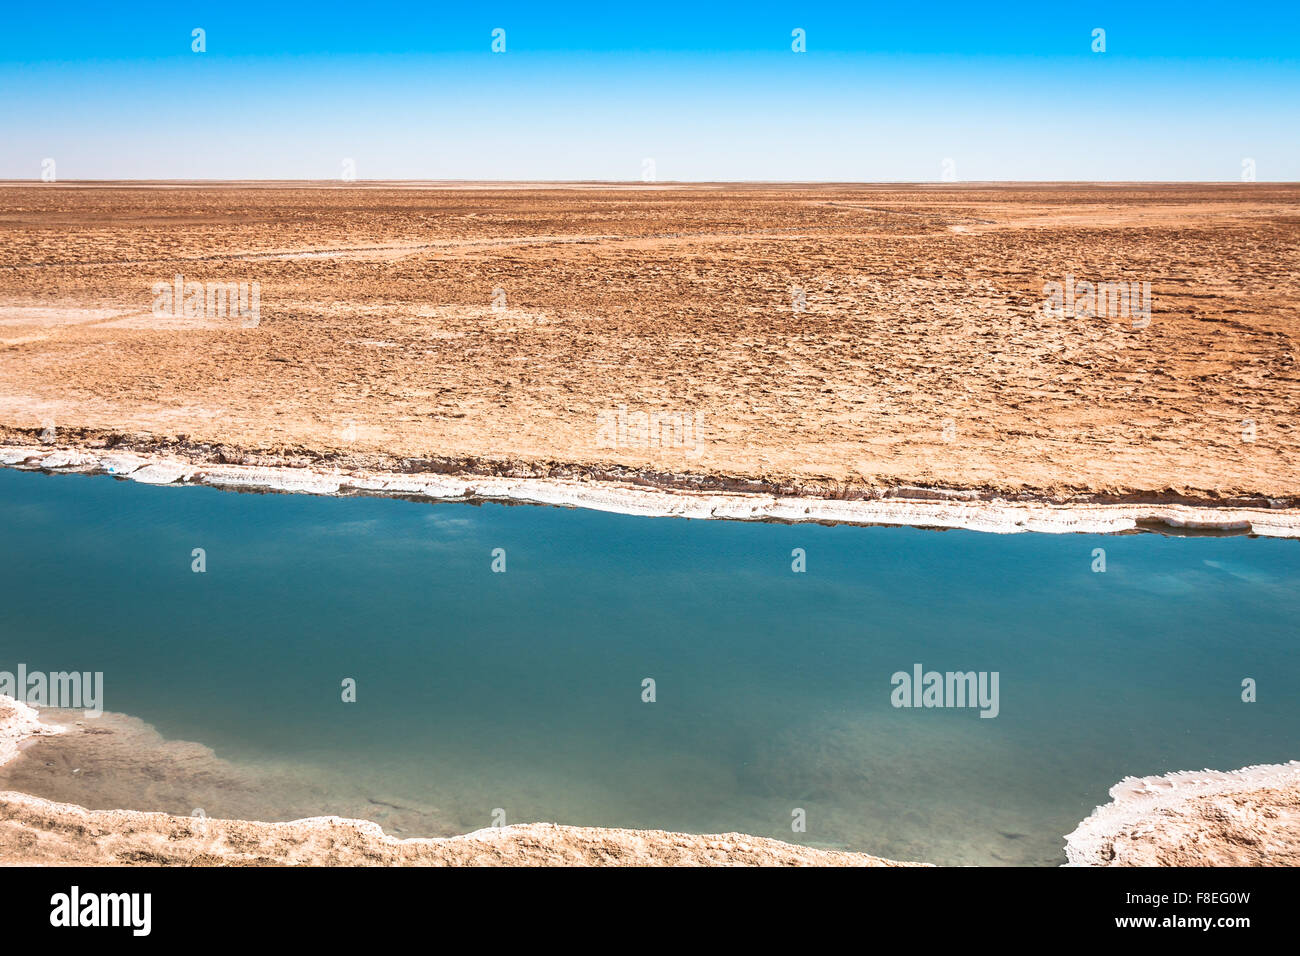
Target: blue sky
[(885, 92)]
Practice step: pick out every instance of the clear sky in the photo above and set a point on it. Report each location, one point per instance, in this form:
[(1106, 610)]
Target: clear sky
[(884, 91)]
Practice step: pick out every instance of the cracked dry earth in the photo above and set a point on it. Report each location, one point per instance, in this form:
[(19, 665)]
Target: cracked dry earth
[(924, 356)]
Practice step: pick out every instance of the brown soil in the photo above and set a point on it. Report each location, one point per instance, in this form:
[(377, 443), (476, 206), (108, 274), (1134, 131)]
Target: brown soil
[(36, 831), (924, 356)]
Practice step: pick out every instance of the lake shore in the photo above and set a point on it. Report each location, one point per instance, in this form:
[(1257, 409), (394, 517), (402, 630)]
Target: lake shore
[(36, 831), (656, 494), (1249, 817), (1246, 817)]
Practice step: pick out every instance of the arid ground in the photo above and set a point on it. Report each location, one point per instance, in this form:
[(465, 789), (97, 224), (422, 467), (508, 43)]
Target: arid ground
[(823, 339)]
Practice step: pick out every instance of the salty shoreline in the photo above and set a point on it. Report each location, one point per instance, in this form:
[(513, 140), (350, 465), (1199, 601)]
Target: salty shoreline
[(1207, 818), (672, 496), (68, 834), (1246, 817), (38, 831)]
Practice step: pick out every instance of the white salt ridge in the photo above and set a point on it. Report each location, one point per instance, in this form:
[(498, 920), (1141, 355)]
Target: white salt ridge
[(956, 510), (63, 460), (18, 723), (1135, 799), (122, 463), (160, 473), (298, 480)]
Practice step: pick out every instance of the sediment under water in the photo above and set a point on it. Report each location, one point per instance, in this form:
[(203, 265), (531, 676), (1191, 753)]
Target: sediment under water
[(483, 695)]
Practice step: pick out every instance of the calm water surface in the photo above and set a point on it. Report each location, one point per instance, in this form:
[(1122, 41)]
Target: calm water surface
[(523, 691)]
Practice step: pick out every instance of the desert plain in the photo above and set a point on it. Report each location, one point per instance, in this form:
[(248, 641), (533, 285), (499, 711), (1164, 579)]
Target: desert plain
[(823, 340)]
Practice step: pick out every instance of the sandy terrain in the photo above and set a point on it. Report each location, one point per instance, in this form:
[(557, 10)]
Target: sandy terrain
[(492, 330), (1247, 817), (36, 831)]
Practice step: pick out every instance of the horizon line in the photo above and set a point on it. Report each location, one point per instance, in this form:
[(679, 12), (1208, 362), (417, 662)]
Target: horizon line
[(642, 184)]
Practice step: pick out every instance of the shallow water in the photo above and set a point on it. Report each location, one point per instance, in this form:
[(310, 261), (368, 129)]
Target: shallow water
[(522, 691)]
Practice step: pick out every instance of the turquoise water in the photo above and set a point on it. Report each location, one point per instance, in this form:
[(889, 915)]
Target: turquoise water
[(522, 691)]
